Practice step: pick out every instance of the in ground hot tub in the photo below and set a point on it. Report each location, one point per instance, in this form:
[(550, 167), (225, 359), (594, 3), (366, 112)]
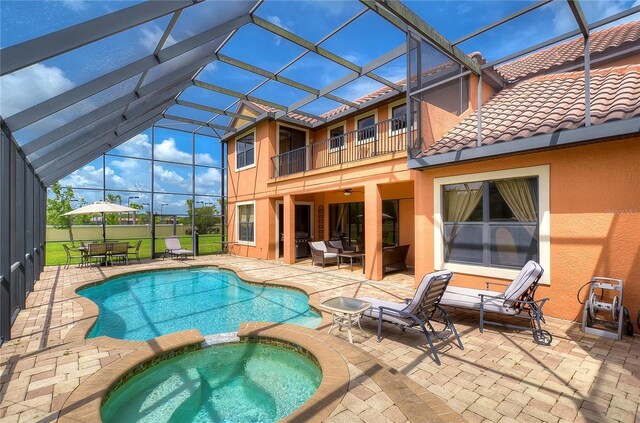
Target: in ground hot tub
[(243, 382)]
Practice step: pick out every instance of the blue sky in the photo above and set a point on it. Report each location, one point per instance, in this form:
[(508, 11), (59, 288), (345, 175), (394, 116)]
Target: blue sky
[(128, 168), (365, 39)]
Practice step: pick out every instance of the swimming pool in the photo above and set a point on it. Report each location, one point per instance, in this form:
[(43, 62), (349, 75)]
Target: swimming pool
[(146, 305), (246, 382)]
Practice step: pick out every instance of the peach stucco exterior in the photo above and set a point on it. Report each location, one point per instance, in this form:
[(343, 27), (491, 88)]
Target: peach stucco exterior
[(594, 214), (593, 190)]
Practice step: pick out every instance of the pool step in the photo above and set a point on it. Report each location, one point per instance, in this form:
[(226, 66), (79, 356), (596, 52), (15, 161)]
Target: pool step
[(220, 338)]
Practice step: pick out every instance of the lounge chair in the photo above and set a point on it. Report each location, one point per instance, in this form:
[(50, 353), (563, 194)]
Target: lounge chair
[(418, 311), (71, 257), (136, 251), (322, 254), (341, 247), (516, 301), (172, 243)]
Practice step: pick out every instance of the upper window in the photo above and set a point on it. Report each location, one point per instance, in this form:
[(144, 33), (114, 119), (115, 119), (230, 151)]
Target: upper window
[(246, 219), (245, 155), (493, 223), (399, 117), (336, 138), (366, 129)]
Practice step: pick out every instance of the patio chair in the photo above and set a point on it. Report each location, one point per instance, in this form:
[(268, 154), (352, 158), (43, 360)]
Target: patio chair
[(119, 252), (322, 254), (516, 301), (71, 256), (419, 311), (96, 253), (136, 251), (341, 246), (174, 249)]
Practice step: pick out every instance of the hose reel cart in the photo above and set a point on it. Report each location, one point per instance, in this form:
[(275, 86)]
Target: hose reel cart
[(603, 313)]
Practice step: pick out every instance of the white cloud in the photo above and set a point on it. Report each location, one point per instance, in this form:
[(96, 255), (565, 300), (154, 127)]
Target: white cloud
[(168, 151), (30, 86), (138, 146), (205, 159), (169, 180), (151, 36), (75, 5), (88, 176), (208, 182), (277, 21)]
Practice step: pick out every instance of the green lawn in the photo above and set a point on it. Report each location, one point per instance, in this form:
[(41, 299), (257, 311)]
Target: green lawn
[(209, 244)]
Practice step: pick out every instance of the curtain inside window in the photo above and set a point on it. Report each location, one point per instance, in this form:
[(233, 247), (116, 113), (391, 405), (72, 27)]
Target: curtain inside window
[(458, 205), (522, 198)]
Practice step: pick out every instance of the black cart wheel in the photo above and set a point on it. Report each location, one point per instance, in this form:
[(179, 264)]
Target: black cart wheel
[(542, 337)]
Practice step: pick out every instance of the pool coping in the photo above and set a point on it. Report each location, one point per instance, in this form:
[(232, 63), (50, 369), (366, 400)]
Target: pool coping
[(91, 310)]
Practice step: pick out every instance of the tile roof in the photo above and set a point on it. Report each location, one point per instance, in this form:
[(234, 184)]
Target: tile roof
[(526, 67), (296, 116), (384, 90), (371, 96), (569, 51), (547, 104)]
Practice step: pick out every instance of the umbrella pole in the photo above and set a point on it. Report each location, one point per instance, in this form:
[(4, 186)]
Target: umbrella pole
[(104, 232)]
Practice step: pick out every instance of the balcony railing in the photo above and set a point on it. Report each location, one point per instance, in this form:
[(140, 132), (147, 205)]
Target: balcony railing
[(385, 137)]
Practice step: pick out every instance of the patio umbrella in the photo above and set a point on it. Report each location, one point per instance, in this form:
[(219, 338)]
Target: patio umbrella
[(101, 207)]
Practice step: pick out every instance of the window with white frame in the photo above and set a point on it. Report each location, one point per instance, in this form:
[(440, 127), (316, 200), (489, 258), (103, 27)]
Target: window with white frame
[(336, 138), (246, 222), (398, 117), (366, 128), (492, 223), (245, 155)]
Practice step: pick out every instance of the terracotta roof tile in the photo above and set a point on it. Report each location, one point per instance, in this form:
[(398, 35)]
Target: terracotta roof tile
[(552, 103), (384, 90), (296, 116), (569, 51)]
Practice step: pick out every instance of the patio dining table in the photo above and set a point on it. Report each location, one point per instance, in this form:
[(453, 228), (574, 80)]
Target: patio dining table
[(109, 244)]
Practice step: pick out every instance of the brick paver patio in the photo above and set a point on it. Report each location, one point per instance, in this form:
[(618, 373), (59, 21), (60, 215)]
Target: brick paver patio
[(499, 376)]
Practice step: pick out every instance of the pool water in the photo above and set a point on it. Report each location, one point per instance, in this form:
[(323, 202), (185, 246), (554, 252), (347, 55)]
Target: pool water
[(237, 383), (145, 305)]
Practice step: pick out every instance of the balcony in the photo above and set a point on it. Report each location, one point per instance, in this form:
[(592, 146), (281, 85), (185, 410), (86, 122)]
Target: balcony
[(385, 137)]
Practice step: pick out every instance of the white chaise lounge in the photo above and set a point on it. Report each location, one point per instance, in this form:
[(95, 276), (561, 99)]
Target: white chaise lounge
[(516, 301), (174, 249), (418, 311)]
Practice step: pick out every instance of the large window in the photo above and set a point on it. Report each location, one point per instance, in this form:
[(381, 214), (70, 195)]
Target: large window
[(493, 223), (246, 219), (347, 222), (245, 151)]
